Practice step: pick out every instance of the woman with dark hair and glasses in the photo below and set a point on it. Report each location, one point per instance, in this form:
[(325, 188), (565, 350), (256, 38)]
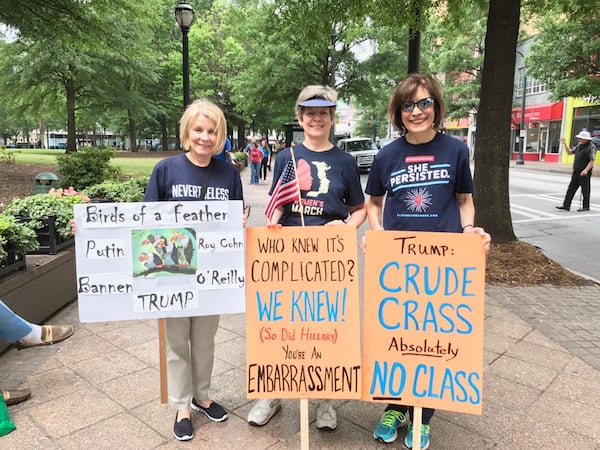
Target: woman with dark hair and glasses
[(425, 182)]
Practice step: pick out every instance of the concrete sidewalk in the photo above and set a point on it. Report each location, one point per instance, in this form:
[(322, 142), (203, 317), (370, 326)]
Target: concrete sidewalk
[(100, 389)]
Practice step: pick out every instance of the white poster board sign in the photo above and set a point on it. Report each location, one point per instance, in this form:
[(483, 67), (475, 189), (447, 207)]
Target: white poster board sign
[(159, 259)]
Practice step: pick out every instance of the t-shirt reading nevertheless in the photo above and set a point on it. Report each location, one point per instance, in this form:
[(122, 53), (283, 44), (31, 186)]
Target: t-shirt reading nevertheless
[(176, 178)]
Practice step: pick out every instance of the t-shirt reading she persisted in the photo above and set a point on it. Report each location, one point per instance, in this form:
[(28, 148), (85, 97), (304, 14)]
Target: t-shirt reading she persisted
[(421, 183)]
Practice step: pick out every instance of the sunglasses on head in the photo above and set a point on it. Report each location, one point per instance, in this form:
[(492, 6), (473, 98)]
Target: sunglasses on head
[(424, 103)]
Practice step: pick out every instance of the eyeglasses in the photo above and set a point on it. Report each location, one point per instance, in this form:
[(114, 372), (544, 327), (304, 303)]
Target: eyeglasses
[(424, 103)]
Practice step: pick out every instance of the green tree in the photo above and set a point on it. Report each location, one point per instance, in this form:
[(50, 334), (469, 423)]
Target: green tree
[(458, 46), (288, 45), (566, 52)]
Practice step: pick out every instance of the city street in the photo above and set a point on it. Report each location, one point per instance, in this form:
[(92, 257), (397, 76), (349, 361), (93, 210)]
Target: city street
[(569, 237)]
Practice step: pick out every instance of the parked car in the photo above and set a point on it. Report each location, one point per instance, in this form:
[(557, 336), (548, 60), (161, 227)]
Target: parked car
[(384, 141), (362, 149)]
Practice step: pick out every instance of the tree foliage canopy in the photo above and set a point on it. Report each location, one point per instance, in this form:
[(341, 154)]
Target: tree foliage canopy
[(566, 53)]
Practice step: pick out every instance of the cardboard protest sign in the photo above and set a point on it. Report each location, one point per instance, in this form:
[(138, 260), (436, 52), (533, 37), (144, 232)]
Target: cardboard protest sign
[(423, 320), (159, 259), (302, 313)]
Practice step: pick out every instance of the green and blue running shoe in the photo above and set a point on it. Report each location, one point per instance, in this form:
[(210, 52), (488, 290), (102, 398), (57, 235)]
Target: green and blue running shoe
[(408, 440), (387, 428)]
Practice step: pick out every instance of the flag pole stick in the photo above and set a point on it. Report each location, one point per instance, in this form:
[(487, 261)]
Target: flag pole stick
[(304, 434), (297, 187)]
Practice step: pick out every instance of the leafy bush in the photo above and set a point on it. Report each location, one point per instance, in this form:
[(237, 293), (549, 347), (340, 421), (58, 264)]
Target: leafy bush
[(240, 156), (7, 156), (131, 190), (17, 235), (42, 206), (86, 167)]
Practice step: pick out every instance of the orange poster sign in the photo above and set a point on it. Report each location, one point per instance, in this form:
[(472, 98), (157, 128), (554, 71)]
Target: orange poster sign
[(302, 313), (423, 320)]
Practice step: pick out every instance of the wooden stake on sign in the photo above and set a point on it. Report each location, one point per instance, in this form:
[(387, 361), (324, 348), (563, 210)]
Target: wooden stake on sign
[(304, 436), (417, 420), (162, 356), (297, 186)]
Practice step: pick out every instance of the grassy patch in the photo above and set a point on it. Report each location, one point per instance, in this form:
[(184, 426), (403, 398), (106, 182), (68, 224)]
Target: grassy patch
[(135, 166), (36, 156), (131, 166)]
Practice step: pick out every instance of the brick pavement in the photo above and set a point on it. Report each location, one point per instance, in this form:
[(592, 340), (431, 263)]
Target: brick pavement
[(100, 388)]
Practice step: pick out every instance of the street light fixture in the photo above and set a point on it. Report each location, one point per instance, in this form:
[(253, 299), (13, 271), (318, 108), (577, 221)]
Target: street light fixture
[(184, 14), (332, 77), (332, 61), (520, 160)]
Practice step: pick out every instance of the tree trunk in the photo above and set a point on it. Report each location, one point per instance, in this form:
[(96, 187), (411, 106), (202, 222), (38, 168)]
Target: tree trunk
[(71, 131), (241, 134), (177, 141), (132, 132), (164, 132), (42, 127), (492, 148)]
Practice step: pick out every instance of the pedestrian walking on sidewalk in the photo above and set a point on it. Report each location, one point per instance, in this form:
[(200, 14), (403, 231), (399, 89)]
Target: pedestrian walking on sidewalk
[(583, 163), (256, 158), (327, 177), (190, 341), (266, 161), (416, 201)]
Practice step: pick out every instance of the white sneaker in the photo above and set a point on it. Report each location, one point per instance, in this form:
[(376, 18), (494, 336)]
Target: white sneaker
[(262, 411), (326, 415)]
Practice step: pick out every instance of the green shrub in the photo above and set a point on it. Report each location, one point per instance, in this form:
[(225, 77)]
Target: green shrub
[(7, 156), (42, 206), (86, 167), (240, 156), (131, 190), (17, 235)]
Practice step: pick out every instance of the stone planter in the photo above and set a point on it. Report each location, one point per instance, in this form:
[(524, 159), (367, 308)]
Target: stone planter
[(41, 290)]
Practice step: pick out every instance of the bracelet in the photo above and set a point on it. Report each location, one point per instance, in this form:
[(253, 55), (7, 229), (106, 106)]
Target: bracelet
[(466, 226)]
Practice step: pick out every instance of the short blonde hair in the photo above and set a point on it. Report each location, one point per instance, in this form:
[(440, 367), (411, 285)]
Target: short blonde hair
[(316, 91), (212, 112)]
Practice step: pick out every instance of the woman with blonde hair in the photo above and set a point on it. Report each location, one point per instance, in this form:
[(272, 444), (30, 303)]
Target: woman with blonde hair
[(194, 175), (327, 177)]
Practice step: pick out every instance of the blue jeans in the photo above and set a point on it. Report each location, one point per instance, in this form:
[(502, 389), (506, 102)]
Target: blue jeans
[(12, 326), (255, 172)]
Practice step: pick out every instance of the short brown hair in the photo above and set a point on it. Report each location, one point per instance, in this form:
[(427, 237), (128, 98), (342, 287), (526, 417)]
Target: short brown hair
[(209, 110), (405, 91)]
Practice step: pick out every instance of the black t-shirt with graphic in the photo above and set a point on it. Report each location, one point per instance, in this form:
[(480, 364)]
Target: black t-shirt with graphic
[(329, 185)]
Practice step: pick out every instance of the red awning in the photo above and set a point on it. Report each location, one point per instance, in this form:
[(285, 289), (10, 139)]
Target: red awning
[(460, 123), (537, 113)]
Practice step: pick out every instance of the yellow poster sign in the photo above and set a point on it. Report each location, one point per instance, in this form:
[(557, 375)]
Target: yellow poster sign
[(302, 313), (423, 320)]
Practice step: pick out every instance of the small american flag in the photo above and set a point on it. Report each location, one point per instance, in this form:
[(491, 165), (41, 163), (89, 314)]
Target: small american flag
[(285, 191)]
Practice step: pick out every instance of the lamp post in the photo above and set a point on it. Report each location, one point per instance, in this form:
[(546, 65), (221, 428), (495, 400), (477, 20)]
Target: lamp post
[(184, 14), (333, 62), (520, 161)]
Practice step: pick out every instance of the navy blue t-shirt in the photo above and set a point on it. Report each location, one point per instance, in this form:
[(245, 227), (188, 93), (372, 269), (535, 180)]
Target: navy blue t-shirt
[(176, 178), (421, 183), (329, 185)]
